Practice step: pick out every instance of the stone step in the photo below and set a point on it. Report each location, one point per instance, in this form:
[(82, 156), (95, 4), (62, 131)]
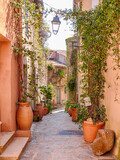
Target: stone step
[(0, 126), (15, 149), (5, 139)]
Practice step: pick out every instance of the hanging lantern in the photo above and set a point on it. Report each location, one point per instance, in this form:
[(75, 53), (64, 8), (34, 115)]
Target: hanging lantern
[(55, 24)]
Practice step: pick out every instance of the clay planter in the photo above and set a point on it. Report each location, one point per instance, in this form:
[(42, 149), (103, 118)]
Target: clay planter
[(74, 114), (35, 115), (100, 125), (90, 130), (45, 111), (35, 112), (70, 111), (41, 110), (24, 116)]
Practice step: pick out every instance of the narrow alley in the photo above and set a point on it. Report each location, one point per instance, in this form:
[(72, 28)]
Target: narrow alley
[(58, 138)]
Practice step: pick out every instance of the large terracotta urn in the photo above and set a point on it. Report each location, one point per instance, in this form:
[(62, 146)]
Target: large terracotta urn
[(24, 116), (41, 110)]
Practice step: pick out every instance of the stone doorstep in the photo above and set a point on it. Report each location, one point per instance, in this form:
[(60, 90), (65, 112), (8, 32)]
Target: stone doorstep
[(0, 125), (15, 149), (23, 133), (5, 140)]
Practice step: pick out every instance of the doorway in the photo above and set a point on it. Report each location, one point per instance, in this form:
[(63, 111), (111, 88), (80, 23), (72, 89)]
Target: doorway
[(58, 95)]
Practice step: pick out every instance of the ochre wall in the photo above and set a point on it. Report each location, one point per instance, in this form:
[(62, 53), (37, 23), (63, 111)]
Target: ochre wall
[(8, 68), (112, 102), (87, 5)]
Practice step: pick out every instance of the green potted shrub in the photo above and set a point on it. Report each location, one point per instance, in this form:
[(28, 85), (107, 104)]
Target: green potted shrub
[(47, 92), (91, 121), (75, 108)]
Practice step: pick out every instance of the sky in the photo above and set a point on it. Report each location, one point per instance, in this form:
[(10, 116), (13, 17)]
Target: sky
[(57, 42)]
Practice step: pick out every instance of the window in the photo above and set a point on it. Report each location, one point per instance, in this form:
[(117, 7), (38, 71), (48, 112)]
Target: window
[(74, 45)]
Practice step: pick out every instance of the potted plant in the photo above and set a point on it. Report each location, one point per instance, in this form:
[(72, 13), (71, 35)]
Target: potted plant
[(35, 115), (40, 108), (67, 105), (91, 121), (75, 108), (47, 92)]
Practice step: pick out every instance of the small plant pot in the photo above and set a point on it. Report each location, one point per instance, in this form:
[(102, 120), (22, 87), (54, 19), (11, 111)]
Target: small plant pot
[(74, 114), (45, 111), (40, 110), (70, 111), (90, 130), (100, 125), (35, 112)]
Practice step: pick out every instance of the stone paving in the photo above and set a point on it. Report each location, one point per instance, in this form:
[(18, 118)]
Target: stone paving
[(56, 137)]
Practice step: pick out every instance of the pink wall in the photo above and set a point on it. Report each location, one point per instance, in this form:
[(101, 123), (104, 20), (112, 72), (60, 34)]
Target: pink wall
[(112, 101), (8, 68)]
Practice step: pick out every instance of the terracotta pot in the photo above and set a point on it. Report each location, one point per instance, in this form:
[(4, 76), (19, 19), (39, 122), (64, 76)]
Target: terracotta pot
[(100, 125), (24, 116), (45, 111), (41, 110), (35, 112), (74, 114), (70, 111), (90, 130)]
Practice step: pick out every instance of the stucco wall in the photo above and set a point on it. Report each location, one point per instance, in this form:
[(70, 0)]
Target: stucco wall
[(112, 102), (8, 68)]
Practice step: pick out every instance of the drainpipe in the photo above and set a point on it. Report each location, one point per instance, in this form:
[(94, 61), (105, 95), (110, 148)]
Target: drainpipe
[(20, 62)]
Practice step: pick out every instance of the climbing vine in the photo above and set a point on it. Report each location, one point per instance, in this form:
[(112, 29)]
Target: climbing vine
[(98, 31), (30, 37)]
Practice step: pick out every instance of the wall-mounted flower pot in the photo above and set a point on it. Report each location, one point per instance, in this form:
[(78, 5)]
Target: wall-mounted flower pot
[(45, 111), (24, 116), (90, 130), (74, 114), (41, 110)]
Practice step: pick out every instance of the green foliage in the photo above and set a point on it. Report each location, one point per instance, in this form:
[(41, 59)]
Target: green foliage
[(83, 114), (73, 59), (49, 106), (47, 92), (68, 104), (77, 105), (98, 31), (98, 115), (60, 72), (96, 26), (29, 43), (72, 84), (50, 67)]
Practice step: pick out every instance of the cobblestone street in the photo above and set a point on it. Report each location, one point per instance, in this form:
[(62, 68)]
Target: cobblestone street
[(56, 137)]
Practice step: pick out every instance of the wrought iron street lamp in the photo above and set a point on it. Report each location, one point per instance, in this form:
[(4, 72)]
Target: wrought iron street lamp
[(55, 24)]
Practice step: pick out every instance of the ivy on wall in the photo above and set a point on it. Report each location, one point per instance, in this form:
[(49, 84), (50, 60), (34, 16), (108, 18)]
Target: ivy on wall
[(29, 43), (98, 30)]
